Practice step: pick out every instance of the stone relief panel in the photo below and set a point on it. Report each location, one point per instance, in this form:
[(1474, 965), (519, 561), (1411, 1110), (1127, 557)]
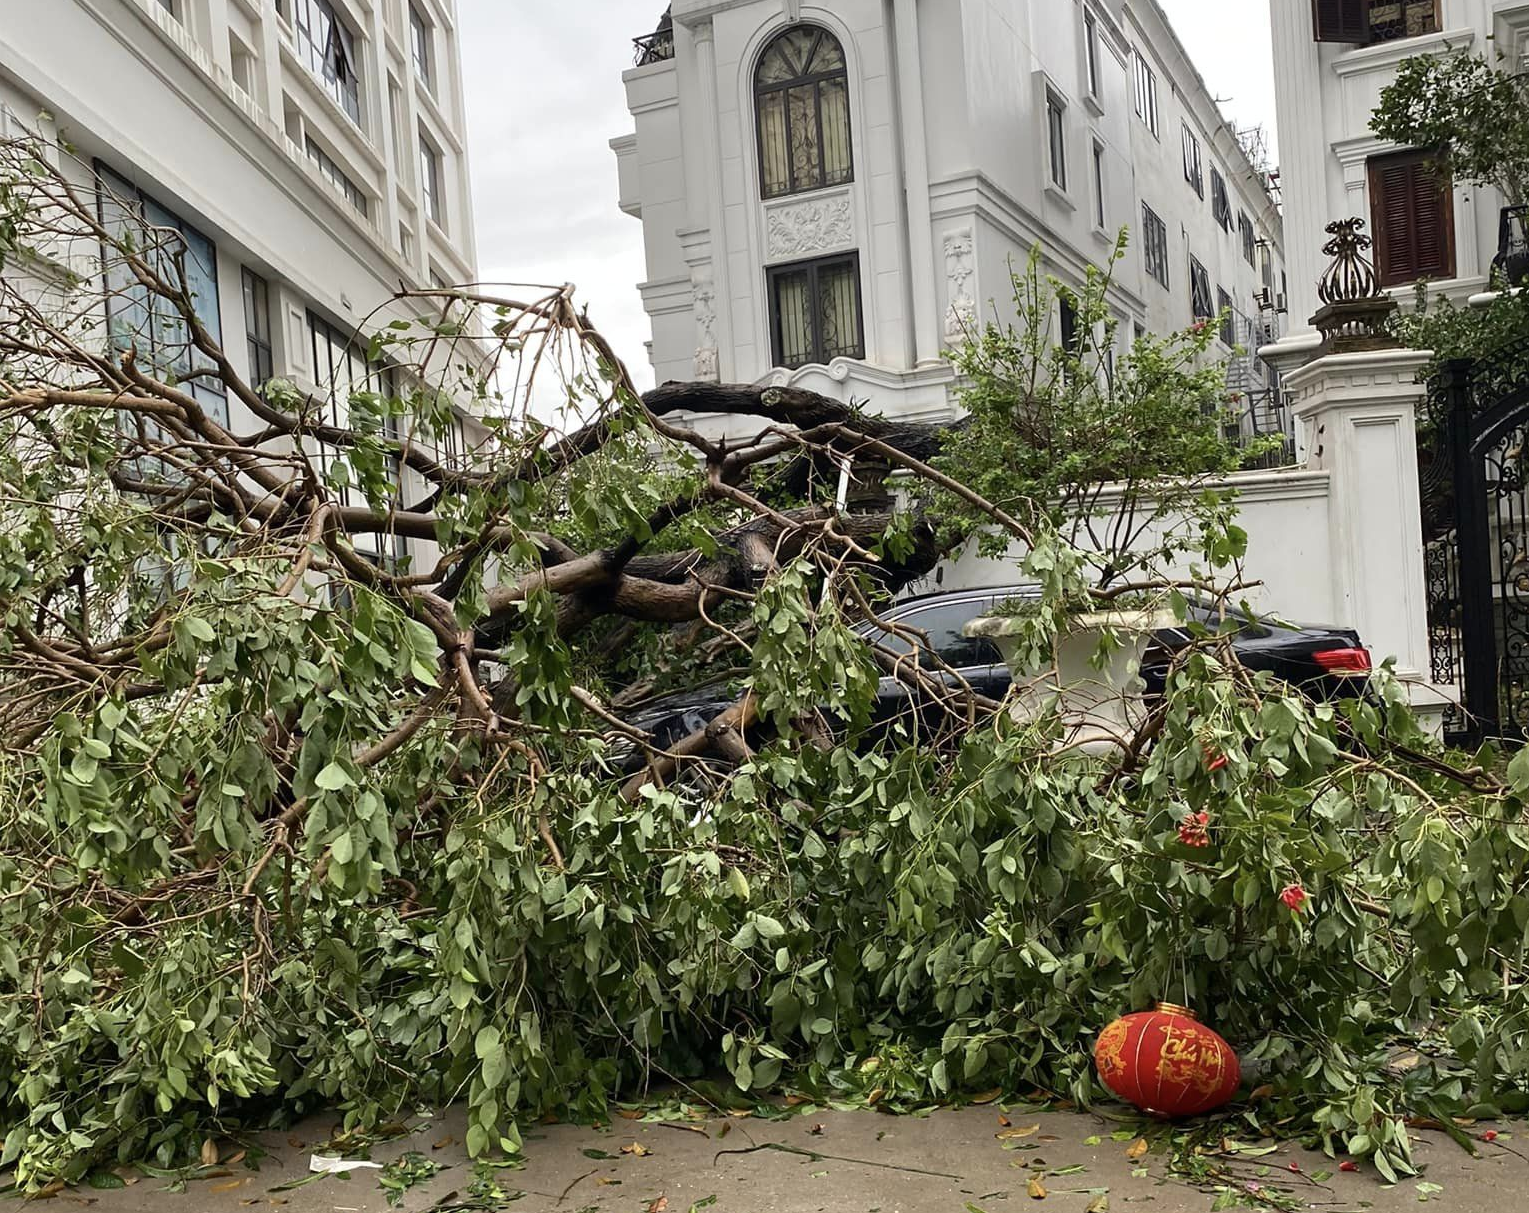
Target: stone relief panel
[(805, 229), (960, 272), (707, 363)]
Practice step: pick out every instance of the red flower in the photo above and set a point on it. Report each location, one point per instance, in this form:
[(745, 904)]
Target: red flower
[(1348, 1165), (1296, 1167), (1294, 896), (1215, 760), (1489, 1135), (1193, 831)]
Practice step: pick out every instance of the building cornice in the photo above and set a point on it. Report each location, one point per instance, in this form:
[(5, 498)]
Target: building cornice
[(1387, 55), (977, 193)]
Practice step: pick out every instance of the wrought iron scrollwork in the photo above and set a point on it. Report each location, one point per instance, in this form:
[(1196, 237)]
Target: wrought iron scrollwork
[(1355, 310), (1474, 477)]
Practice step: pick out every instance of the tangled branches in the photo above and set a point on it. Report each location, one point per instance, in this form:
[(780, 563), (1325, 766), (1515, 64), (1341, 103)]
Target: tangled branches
[(325, 781)]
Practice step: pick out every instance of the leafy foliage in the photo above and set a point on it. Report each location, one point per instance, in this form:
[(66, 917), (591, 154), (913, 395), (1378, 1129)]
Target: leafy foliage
[(1474, 112), (283, 828), (1109, 452), (1493, 333)]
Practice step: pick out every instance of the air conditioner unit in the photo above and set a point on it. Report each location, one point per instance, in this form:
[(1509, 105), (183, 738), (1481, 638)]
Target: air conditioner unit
[(1281, 305), (1264, 299)]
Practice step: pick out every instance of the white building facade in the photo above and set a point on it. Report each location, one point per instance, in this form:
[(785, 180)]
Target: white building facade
[(310, 152), (830, 194), (1332, 60)]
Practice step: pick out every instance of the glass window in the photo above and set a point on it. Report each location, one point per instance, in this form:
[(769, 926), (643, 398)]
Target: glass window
[(328, 48), (146, 322), (1091, 51), (1056, 133), (257, 328), (340, 372), (1154, 243), (1146, 93), (1193, 171), (430, 182), (943, 624), (801, 94), (815, 311), (1099, 217), (1199, 291), (1249, 239), (336, 176), (1220, 200), (1391, 19), (1067, 315), (420, 36), (1228, 320)]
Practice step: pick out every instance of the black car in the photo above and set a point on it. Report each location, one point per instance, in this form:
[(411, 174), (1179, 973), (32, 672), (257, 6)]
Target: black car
[(1325, 662)]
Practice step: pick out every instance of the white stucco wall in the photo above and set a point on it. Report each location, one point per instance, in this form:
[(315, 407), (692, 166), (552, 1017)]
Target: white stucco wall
[(1287, 515), (951, 183)]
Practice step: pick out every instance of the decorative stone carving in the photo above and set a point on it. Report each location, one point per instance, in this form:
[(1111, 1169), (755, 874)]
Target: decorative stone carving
[(805, 229), (707, 363), (960, 269)]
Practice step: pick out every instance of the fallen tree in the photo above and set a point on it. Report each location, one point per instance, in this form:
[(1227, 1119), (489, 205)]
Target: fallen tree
[(290, 821)]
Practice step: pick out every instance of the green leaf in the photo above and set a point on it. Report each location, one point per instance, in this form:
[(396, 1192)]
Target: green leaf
[(768, 927), (334, 777)]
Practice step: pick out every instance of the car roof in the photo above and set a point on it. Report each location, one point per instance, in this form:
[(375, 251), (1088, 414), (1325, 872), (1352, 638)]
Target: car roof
[(991, 591)]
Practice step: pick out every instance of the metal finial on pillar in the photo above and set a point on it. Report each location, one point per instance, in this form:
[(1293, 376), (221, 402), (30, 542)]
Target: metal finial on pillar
[(1354, 308)]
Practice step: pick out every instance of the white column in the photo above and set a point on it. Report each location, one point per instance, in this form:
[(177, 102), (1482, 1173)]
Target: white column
[(706, 72), (910, 84), (1361, 416), (1298, 81)]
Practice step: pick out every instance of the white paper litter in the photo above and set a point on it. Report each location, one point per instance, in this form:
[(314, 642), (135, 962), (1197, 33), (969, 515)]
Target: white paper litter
[(335, 1164)]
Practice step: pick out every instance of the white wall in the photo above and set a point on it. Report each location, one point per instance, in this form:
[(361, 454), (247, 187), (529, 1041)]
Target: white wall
[(1287, 516), (947, 99)]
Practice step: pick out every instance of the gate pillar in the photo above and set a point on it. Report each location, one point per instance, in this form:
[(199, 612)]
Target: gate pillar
[(1359, 413)]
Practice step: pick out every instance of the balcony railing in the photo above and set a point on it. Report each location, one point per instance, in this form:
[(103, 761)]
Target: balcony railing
[(657, 47)]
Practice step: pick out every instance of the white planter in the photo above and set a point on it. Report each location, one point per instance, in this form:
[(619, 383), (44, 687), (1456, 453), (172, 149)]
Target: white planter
[(1100, 707)]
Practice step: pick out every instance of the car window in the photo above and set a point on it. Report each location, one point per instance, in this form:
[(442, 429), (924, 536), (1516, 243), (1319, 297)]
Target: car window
[(1213, 618), (944, 623)]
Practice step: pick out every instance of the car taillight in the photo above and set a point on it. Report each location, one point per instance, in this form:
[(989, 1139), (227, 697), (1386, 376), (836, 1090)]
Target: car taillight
[(1344, 661)]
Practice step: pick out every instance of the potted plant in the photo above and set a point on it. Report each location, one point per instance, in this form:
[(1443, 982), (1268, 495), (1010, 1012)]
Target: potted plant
[(1110, 458), (1477, 115)]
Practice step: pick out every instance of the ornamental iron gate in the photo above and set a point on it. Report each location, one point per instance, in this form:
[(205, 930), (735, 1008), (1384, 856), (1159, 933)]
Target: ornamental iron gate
[(1475, 493)]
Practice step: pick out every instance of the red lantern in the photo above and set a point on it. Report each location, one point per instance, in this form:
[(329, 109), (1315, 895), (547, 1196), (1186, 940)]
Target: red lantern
[(1167, 1063)]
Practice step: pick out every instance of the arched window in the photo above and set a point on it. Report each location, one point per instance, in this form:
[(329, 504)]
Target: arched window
[(801, 91)]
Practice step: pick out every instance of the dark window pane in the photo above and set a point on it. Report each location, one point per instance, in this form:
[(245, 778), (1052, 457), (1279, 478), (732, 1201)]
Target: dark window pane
[(944, 624), (815, 311), (801, 94), (153, 326), (793, 306), (327, 46), (1057, 133)]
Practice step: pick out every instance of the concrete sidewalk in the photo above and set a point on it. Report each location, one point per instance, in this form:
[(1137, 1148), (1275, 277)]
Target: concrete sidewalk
[(847, 1162)]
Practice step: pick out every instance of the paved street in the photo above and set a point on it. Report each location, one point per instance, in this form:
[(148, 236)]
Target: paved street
[(951, 1162)]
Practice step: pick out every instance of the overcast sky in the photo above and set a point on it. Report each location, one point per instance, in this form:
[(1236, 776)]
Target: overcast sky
[(544, 99)]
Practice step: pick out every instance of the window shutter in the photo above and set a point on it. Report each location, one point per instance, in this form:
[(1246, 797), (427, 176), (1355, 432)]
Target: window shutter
[(1433, 212), (1412, 215), (1341, 20)]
